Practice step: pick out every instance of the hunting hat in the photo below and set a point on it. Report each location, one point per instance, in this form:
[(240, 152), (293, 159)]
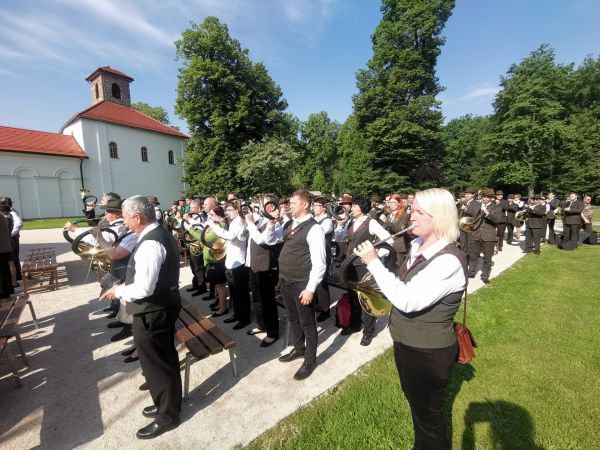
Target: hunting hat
[(499, 192), (320, 200), (113, 205), (487, 192), (470, 191), (153, 199), (345, 199), (6, 200), (4, 207)]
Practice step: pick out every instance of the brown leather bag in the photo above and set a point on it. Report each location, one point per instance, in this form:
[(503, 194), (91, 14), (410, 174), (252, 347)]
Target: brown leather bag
[(466, 341)]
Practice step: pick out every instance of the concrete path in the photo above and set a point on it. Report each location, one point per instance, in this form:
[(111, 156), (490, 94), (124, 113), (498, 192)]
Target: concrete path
[(78, 392)]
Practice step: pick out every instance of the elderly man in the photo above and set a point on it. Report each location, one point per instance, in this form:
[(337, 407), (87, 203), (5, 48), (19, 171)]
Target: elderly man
[(151, 294), (196, 261)]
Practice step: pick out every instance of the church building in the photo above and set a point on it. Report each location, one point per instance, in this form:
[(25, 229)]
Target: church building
[(108, 147)]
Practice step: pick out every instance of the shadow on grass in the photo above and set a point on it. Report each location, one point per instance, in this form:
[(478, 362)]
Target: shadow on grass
[(511, 426)]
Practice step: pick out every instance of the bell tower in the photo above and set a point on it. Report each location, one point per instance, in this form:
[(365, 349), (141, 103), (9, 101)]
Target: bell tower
[(111, 85)]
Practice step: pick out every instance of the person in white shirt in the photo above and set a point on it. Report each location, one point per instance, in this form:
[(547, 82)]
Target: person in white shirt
[(322, 218), (15, 238), (192, 219), (361, 229), (425, 296), (151, 294), (236, 271), (301, 269)]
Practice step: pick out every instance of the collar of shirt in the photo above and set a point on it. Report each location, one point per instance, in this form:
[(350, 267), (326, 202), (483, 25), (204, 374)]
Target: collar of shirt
[(299, 220), (429, 252), (147, 230), (120, 219)]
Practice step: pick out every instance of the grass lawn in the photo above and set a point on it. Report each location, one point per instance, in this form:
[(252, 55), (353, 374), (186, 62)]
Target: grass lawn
[(39, 224), (534, 384)]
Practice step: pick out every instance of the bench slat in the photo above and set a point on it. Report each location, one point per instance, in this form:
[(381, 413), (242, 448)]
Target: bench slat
[(188, 339), (11, 320), (201, 334), (209, 326)]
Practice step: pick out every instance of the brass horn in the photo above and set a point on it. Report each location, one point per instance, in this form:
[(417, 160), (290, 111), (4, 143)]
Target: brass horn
[(66, 235), (86, 250), (87, 198), (217, 247), (370, 297), (191, 237), (469, 224), (335, 210)]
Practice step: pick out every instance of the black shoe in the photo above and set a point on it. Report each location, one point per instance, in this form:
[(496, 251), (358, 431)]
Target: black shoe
[(294, 354), (156, 428), (537, 252), (150, 411), (323, 316), (347, 331), (143, 386), (472, 276), (123, 334), (254, 331), (130, 359), (116, 325), (231, 320), (109, 309), (214, 304), (196, 294), (304, 371), (214, 308), (241, 324), (220, 314), (208, 297), (192, 289), (267, 342), (128, 352), (366, 340), (112, 315), (485, 280)]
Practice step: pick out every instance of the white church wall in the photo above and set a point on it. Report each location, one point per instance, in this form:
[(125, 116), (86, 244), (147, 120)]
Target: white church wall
[(41, 185), (129, 175)]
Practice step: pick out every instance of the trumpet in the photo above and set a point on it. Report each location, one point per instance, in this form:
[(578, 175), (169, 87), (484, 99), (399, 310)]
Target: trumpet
[(370, 297)]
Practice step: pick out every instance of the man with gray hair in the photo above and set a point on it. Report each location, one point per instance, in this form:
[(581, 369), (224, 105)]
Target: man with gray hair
[(151, 294)]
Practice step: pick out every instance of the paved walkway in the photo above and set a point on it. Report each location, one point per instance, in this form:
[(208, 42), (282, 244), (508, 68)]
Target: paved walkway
[(79, 393)]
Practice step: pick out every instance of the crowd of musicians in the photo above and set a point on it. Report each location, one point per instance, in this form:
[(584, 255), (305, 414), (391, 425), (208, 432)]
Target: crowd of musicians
[(269, 252)]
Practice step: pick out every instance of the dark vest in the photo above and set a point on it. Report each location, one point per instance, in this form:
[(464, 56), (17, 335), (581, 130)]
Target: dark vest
[(118, 267), (432, 327), (294, 260), (166, 291), (261, 258), (357, 237)]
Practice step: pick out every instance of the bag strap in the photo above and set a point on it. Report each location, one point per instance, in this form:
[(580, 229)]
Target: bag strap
[(465, 305), (452, 250)]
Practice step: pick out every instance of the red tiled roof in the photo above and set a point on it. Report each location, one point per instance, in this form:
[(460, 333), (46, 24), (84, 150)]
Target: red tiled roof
[(108, 69), (30, 141), (106, 111)]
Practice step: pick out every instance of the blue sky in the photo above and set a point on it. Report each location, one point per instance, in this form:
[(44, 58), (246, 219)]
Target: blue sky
[(312, 49)]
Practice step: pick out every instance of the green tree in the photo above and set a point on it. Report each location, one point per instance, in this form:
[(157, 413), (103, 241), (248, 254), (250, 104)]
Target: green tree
[(227, 101), (156, 112), (529, 123), (461, 165), (319, 152), (354, 170), (267, 166), (396, 107)]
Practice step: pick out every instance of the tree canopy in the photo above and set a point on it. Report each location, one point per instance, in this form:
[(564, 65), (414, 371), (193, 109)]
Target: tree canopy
[(156, 112)]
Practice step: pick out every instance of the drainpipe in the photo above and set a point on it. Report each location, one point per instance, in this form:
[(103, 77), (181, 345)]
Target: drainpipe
[(81, 172)]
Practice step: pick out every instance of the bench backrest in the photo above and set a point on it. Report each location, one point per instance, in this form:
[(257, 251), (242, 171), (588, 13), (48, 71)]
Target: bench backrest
[(10, 313)]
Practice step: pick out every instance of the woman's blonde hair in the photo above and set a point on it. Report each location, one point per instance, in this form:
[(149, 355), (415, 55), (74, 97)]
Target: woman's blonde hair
[(440, 205)]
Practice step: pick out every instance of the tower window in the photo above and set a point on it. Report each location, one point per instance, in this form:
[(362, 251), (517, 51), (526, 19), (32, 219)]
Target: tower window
[(144, 154), (97, 91), (114, 152), (116, 91), (171, 157)]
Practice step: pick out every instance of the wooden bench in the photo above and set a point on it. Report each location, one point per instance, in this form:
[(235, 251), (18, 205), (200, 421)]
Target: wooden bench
[(42, 261), (201, 338), (10, 314)]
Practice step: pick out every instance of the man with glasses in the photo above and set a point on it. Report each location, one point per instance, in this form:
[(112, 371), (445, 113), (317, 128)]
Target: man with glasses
[(322, 218)]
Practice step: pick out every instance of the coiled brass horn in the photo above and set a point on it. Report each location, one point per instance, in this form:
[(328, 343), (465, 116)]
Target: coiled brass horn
[(521, 216), (86, 250), (66, 234), (469, 224), (335, 210), (217, 248), (87, 198), (370, 297), (192, 238)]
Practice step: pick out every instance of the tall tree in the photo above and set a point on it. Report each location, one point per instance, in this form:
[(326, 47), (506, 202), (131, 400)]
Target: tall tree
[(319, 153), (396, 107), (461, 164), (156, 112), (227, 101)]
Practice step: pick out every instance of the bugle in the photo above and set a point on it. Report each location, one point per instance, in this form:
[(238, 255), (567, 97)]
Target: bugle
[(86, 250)]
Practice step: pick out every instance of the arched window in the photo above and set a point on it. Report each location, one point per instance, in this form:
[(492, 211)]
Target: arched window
[(171, 157), (114, 151), (144, 154), (97, 91), (116, 91)]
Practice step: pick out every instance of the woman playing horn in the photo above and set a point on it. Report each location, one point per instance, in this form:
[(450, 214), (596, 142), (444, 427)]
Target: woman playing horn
[(425, 295)]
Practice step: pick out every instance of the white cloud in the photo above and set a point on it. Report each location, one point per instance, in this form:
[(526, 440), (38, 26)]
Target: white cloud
[(482, 91)]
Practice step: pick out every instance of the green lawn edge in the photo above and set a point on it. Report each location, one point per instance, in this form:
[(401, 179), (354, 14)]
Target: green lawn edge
[(534, 384)]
